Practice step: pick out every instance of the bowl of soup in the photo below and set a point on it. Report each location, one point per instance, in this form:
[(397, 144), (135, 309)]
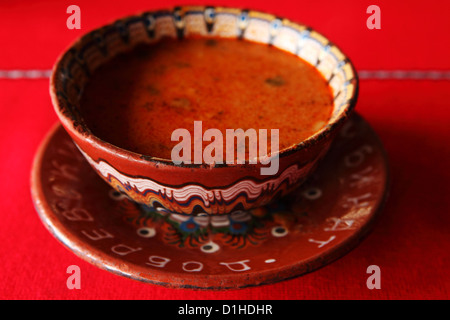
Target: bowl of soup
[(203, 110)]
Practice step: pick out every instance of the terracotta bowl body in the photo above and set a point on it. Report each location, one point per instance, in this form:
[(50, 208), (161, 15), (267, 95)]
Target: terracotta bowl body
[(199, 189)]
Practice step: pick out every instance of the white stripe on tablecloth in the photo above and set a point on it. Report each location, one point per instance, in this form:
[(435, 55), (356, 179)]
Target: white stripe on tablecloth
[(404, 74), (363, 74), (25, 74)]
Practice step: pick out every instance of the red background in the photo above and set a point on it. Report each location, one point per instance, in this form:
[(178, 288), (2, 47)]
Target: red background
[(410, 242)]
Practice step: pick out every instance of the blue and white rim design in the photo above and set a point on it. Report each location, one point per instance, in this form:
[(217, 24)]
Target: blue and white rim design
[(98, 46)]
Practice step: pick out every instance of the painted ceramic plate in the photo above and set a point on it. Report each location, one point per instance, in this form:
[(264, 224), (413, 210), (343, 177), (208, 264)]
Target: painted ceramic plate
[(316, 224)]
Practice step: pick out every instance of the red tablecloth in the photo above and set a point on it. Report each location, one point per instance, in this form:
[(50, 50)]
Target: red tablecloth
[(410, 242)]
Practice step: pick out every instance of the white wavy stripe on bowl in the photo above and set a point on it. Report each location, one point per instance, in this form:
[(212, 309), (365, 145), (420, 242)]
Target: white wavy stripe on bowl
[(251, 188)]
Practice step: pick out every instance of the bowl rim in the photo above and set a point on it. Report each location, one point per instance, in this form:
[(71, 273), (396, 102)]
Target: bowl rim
[(96, 142)]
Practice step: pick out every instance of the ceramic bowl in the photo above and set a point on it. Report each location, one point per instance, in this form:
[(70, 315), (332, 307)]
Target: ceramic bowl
[(199, 189)]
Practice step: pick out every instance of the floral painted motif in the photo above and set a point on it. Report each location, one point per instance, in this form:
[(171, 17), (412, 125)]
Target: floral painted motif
[(238, 229)]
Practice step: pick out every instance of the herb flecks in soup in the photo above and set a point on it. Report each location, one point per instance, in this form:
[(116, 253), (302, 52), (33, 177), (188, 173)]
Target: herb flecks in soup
[(139, 98)]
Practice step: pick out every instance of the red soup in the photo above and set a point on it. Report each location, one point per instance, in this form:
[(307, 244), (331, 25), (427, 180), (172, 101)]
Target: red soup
[(139, 98)]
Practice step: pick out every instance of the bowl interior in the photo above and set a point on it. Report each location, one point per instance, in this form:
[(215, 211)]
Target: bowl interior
[(76, 65)]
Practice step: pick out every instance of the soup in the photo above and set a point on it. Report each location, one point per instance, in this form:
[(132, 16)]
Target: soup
[(136, 100)]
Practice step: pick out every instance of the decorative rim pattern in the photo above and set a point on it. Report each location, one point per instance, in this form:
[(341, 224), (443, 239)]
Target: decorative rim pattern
[(74, 67)]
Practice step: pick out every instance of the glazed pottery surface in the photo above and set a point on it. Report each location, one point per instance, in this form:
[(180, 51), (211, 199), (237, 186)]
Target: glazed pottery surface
[(314, 225), (200, 189)]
